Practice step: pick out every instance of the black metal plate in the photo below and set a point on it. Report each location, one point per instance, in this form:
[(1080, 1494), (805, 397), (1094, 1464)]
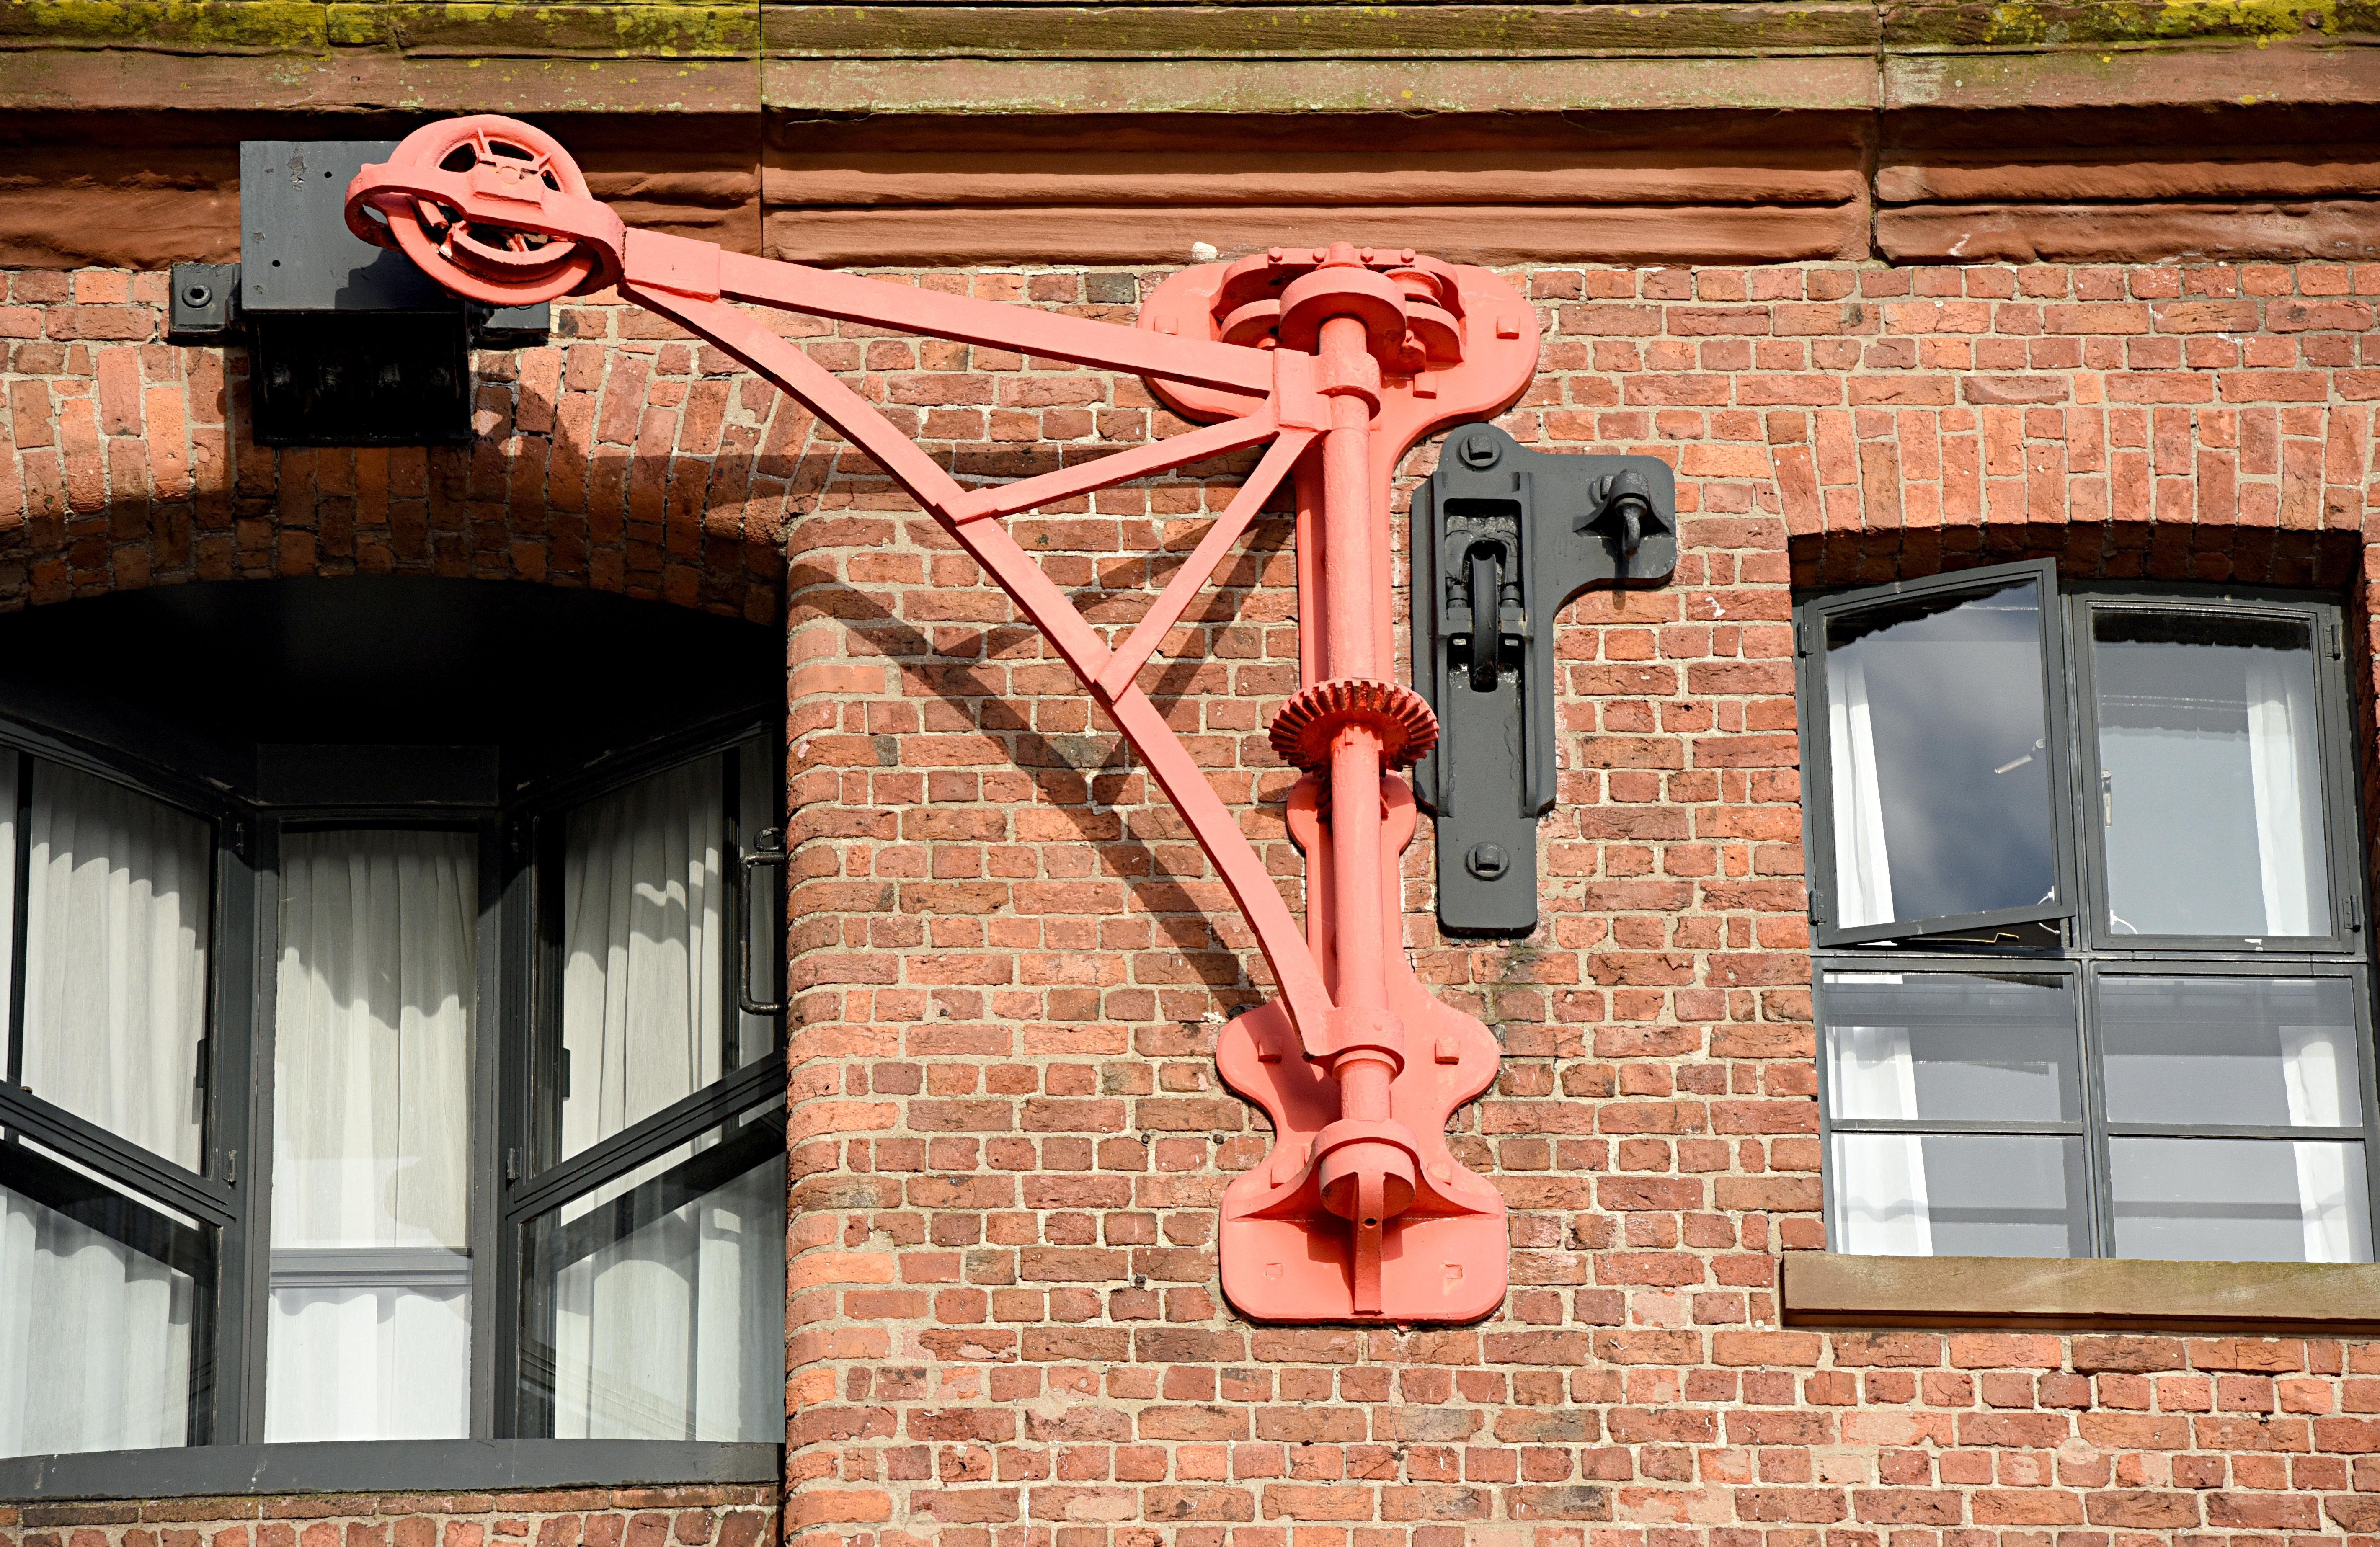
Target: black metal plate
[(1550, 523)]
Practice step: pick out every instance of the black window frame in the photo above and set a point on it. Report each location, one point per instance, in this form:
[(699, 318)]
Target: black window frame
[(528, 1084), (2082, 949), (210, 1195), (1817, 805), (231, 1195)]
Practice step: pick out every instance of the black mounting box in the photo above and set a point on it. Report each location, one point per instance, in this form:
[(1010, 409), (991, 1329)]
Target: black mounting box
[(1503, 537), (349, 345)]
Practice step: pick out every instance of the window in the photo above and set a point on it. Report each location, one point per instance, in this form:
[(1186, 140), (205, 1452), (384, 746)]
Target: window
[(2092, 978), (422, 1087)]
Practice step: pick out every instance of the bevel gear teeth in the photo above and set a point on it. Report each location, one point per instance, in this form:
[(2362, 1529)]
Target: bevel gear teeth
[(1302, 732)]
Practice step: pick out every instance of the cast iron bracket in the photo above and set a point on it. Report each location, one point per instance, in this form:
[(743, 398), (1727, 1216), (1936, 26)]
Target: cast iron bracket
[(1503, 539), (349, 344)]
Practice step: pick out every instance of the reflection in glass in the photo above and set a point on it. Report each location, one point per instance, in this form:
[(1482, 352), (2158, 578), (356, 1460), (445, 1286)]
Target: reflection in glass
[(2240, 1200), (115, 959), (645, 1016), (370, 1329), (656, 1304), (99, 1313), (1937, 736), (2235, 1051), (1950, 1046), (2210, 794), (1958, 1195)]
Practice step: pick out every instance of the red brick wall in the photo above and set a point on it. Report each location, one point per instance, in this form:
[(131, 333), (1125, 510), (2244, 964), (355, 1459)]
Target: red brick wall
[(127, 463), (1008, 1136), (704, 1517)]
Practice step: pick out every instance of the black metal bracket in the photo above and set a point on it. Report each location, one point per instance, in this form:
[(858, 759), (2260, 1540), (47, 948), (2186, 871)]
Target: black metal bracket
[(1503, 537), (349, 345)]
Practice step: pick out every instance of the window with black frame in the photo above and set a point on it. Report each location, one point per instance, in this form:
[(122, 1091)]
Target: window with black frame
[(2091, 972), (421, 1087)]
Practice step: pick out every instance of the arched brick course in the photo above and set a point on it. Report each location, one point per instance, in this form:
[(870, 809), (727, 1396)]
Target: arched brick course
[(614, 458)]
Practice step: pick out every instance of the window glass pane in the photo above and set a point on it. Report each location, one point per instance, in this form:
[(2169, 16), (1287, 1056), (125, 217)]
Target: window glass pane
[(644, 983), (1936, 739), (99, 1313), (2210, 795), (656, 1304), (1953, 1045), (115, 959), (1959, 1195), (2240, 1200), (371, 1335), (2234, 1051)]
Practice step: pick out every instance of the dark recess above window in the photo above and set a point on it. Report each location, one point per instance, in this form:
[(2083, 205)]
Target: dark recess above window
[(457, 678)]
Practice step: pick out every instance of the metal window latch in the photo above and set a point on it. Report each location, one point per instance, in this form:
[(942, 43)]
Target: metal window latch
[(768, 851), (1503, 539)]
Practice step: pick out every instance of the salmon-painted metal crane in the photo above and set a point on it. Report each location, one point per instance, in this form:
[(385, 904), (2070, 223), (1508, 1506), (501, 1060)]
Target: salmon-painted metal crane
[(1337, 360)]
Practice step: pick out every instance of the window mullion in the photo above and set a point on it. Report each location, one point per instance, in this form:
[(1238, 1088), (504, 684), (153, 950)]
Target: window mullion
[(231, 1043), (490, 1034), (19, 913)]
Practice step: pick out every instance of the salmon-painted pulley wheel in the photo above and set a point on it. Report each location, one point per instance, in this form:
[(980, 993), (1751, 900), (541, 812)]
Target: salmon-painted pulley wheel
[(516, 260)]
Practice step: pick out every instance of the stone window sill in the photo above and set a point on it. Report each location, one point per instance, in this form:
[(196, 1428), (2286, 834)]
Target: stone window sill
[(384, 1466), (1827, 1288)]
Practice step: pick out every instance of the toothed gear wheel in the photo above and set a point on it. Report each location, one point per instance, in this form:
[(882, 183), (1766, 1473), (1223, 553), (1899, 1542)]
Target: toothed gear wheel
[(1301, 731)]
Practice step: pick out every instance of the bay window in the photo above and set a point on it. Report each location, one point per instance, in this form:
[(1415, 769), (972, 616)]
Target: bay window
[(418, 1088), (2090, 972)]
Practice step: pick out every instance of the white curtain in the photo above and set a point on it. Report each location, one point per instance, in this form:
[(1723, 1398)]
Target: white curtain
[(1880, 1195), (2288, 801), (1863, 871), (115, 959), (643, 981), (371, 1136), (2315, 1076), (676, 1330), (94, 1338)]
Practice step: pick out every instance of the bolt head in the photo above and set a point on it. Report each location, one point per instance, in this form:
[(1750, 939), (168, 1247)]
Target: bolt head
[(1488, 862), (1479, 451)]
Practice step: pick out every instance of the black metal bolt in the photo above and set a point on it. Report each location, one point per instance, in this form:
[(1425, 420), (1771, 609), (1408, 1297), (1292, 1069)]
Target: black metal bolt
[(1488, 862), (1479, 451)]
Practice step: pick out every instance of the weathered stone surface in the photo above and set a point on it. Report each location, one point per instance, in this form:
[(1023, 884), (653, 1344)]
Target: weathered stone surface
[(1824, 1288), (2338, 230), (1964, 24), (115, 80), (1431, 85), (2244, 74), (1127, 32), (145, 192), (2183, 171), (1484, 234)]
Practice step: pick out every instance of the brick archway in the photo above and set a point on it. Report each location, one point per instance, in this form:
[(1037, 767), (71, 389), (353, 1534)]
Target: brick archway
[(614, 457)]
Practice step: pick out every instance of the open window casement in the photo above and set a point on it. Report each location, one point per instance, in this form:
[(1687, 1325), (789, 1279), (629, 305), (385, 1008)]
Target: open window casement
[(1935, 741)]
